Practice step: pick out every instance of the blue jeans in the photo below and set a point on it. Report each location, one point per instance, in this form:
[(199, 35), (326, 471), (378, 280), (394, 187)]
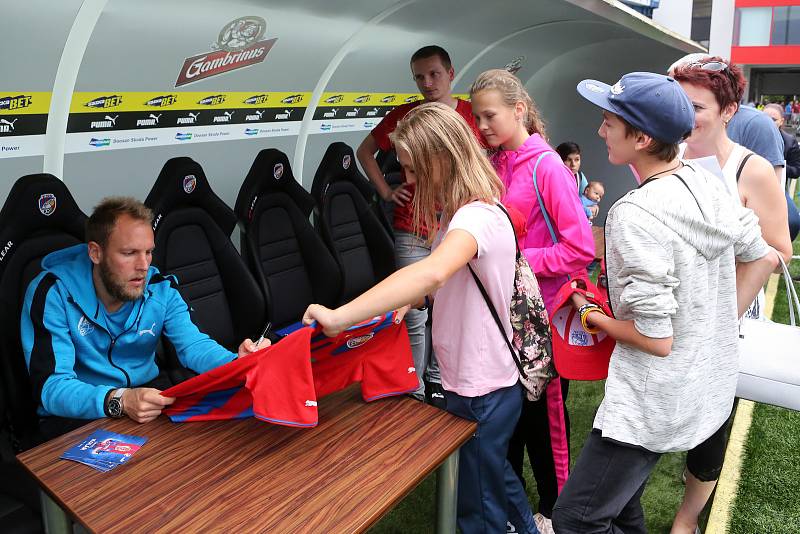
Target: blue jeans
[(410, 249), (489, 491)]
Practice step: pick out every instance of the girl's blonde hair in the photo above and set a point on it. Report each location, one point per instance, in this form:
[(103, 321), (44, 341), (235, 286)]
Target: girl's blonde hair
[(512, 91), (439, 141)]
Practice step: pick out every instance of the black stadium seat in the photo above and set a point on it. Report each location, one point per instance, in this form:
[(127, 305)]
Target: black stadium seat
[(38, 217), (192, 235), (351, 228), (287, 257), (339, 163)]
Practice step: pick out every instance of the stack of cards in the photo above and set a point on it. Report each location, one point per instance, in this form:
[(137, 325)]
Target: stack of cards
[(104, 450)]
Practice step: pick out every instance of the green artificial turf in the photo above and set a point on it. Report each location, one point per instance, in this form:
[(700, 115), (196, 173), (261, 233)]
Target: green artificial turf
[(417, 514), (768, 497)]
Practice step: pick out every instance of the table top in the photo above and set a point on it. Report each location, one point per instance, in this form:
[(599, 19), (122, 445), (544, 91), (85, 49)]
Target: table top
[(249, 476)]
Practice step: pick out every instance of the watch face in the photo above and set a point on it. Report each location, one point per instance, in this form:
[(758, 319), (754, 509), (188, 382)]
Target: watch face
[(115, 408)]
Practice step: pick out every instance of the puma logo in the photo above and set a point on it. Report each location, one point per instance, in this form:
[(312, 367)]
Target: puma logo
[(411, 370), (148, 331), (310, 403)]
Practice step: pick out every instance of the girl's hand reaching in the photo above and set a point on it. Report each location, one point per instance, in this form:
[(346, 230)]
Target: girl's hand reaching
[(328, 319)]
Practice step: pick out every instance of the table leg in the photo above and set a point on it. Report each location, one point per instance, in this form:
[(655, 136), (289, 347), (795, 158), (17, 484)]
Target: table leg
[(447, 495), (55, 520)]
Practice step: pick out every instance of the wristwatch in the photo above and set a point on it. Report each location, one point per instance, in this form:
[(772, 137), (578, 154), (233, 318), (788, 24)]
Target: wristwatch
[(114, 407)]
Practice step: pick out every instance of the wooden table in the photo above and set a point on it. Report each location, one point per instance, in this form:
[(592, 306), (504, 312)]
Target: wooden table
[(251, 476)]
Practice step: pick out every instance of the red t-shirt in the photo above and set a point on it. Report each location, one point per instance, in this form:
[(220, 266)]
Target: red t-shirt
[(403, 215)]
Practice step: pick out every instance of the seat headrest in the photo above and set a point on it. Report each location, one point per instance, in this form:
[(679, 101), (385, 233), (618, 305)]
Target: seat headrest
[(183, 183), (35, 203), (339, 164), (269, 173)]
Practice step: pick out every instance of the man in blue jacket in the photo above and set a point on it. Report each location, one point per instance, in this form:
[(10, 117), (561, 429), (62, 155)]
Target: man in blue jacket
[(92, 318)]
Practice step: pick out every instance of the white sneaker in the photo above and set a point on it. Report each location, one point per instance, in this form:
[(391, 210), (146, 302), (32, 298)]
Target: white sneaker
[(544, 524)]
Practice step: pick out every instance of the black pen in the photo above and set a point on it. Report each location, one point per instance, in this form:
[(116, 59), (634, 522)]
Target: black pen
[(264, 333)]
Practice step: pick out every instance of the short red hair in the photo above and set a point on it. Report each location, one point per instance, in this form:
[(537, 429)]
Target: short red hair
[(727, 84)]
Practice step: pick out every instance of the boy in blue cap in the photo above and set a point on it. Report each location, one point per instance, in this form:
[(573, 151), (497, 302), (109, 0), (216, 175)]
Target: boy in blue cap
[(683, 261)]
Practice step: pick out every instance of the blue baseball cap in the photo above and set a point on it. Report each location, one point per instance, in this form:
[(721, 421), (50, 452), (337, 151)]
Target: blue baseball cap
[(653, 103)]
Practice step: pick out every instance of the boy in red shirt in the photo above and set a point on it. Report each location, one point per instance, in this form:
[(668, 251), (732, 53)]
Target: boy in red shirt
[(433, 73)]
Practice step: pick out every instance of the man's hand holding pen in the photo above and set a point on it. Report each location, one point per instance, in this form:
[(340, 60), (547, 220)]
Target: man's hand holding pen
[(249, 347)]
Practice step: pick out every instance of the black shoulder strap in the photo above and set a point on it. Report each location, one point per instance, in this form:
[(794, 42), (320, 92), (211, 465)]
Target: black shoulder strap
[(741, 166), (491, 307), (496, 317), (678, 176)]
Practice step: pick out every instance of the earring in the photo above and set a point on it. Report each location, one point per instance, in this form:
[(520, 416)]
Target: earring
[(725, 122)]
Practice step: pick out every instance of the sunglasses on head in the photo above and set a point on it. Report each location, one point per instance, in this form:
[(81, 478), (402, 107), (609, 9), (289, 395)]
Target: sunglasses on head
[(714, 66)]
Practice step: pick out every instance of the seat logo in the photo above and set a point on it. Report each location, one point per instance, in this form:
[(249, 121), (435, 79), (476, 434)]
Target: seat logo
[(189, 183), (85, 326), (355, 342), (346, 162), (47, 204), (5, 250), (277, 171)]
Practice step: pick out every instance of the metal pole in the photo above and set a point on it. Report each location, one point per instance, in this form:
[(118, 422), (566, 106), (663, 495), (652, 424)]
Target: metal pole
[(55, 520), (447, 495)]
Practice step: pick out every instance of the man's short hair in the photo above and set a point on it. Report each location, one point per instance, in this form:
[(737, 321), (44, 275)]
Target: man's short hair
[(105, 215), (661, 150), (433, 50)]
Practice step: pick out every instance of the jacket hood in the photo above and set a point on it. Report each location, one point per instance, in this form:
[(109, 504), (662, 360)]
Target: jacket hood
[(693, 204), (73, 268)]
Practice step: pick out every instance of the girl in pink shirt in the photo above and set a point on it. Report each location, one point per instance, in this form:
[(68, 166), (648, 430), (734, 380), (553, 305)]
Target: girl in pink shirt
[(440, 155), (556, 244)]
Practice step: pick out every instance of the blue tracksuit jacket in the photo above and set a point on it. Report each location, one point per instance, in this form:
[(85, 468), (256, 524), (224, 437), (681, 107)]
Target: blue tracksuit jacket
[(72, 358)]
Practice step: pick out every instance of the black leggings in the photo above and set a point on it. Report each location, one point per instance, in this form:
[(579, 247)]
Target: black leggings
[(704, 462)]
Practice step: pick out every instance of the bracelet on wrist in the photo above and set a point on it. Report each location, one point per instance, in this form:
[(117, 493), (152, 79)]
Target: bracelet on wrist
[(584, 312)]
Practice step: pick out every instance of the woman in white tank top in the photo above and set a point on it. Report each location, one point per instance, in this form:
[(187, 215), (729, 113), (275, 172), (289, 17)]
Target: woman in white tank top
[(747, 175), (715, 87)]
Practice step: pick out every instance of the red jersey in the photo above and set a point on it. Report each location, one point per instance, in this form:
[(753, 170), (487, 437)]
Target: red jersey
[(403, 215), (273, 384), (376, 353), (281, 383)]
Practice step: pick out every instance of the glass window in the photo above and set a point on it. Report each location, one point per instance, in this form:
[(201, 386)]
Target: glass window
[(786, 25), (793, 25), (780, 25), (755, 24)]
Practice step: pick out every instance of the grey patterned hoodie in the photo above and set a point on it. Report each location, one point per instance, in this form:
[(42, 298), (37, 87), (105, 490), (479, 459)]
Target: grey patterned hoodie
[(671, 250)]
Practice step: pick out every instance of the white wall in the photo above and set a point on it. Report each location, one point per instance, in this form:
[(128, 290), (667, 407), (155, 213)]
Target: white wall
[(675, 15), (721, 28)]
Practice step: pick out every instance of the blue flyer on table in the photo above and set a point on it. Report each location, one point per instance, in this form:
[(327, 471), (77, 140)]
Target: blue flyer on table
[(104, 450)]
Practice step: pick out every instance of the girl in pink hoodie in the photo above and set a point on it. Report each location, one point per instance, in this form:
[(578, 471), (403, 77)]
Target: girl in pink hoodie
[(556, 243)]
